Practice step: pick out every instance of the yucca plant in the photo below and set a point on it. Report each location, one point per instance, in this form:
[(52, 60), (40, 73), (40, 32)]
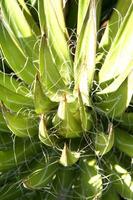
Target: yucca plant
[(66, 87)]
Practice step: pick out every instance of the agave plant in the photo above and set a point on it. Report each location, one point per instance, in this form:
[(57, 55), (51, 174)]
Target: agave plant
[(66, 87)]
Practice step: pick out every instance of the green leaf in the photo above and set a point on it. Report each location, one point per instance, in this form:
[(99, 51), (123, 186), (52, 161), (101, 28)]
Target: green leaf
[(114, 24), (19, 152), (14, 85), (84, 63), (3, 126), (115, 103), (21, 125), (57, 39), (24, 33), (41, 102), (67, 120), (13, 100), (41, 175), (45, 135), (89, 182), (124, 141), (51, 80), (118, 59), (68, 157), (104, 142), (20, 64), (85, 116)]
